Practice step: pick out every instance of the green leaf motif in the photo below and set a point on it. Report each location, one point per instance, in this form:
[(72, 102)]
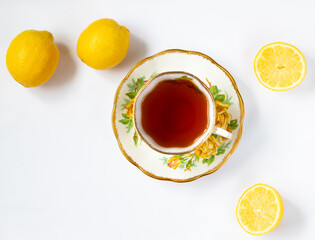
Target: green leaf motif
[(164, 159), (228, 99), (208, 160), (132, 86), (233, 124), (214, 90), (131, 95), (221, 151), (188, 165), (219, 97), (182, 165), (217, 137), (223, 147), (125, 116), (126, 101), (153, 75), (185, 77), (140, 83), (129, 126), (141, 78), (124, 121), (135, 138)]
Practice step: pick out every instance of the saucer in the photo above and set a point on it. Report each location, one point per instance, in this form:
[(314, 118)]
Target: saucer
[(210, 155)]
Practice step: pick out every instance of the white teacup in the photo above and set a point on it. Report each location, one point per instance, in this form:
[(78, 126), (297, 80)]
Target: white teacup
[(211, 128)]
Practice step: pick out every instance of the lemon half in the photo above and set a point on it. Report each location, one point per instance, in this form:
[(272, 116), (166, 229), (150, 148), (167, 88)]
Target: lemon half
[(280, 66), (260, 209)]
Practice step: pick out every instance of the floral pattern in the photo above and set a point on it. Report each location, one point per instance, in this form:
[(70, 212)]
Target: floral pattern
[(127, 119), (173, 162)]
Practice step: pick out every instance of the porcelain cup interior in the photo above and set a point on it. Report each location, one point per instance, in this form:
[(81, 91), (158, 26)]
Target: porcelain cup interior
[(211, 112)]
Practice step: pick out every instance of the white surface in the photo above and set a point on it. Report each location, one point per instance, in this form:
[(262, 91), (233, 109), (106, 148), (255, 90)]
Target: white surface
[(62, 175)]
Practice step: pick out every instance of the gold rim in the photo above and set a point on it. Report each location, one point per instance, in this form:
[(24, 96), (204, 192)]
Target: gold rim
[(147, 83), (240, 124)]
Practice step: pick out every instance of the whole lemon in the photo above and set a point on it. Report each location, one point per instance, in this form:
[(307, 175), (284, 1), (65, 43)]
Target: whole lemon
[(103, 44), (32, 57)]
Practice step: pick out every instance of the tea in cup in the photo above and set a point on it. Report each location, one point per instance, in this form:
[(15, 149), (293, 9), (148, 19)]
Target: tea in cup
[(175, 112)]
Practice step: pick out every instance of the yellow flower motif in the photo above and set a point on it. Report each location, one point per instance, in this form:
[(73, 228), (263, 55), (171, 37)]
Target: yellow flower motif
[(129, 108), (208, 147), (173, 162), (223, 117)]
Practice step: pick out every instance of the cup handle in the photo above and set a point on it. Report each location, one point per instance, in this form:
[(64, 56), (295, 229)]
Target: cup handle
[(222, 133)]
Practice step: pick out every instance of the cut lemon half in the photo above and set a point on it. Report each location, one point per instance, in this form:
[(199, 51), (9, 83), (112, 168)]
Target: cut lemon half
[(280, 66), (260, 209)]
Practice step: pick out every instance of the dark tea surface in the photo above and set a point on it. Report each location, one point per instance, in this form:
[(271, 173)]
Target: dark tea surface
[(175, 113)]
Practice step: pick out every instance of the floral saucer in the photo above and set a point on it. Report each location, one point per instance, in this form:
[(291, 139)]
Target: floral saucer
[(209, 156)]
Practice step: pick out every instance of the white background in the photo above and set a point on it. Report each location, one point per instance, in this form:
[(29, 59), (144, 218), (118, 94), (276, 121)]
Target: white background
[(62, 175)]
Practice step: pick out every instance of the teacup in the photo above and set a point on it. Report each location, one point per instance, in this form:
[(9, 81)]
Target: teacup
[(210, 112)]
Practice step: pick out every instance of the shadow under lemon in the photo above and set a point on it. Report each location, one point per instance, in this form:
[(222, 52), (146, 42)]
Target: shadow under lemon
[(137, 51), (308, 84), (65, 70), (292, 220)]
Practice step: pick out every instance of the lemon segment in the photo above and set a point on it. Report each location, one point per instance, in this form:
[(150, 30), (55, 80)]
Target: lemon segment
[(260, 209), (280, 66), (103, 44), (32, 57)]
